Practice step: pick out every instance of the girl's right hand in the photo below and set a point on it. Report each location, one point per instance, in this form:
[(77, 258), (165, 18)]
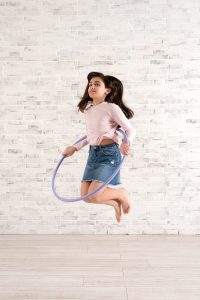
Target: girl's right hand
[(69, 151)]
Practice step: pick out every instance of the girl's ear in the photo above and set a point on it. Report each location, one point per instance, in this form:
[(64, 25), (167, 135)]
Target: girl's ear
[(108, 91)]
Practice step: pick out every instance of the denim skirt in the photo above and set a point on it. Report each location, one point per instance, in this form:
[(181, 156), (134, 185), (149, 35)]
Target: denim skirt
[(102, 162)]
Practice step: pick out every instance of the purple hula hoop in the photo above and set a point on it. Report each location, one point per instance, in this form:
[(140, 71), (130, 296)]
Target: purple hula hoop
[(100, 187)]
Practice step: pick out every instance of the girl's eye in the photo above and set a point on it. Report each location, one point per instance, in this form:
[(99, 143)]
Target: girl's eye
[(95, 84)]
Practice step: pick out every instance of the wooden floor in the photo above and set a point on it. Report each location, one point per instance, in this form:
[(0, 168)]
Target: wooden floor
[(98, 267)]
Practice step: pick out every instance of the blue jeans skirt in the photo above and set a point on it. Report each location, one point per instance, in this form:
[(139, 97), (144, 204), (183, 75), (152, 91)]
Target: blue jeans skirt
[(102, 162)]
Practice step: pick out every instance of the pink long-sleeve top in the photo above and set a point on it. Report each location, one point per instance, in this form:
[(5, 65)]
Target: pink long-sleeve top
[(102, 121)]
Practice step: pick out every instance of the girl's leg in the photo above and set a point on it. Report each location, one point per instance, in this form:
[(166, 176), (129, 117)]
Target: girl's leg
[(85, 185), (84, 188), (107, 194)]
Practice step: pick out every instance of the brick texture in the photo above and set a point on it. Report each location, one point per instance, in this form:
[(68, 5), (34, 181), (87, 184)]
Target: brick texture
[(47, 49)]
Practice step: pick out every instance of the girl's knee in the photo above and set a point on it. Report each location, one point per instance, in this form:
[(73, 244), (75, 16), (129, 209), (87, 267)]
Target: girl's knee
[(94, 198), (87, 200)]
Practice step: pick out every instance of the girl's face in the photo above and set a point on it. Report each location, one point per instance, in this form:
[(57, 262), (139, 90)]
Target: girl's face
[(97, 89)]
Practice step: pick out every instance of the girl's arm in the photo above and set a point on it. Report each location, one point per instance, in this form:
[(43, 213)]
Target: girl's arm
[(81, 144), (119, 117), (71, 149)]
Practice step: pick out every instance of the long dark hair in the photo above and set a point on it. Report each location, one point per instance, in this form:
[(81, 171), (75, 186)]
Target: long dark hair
[(115, 95)]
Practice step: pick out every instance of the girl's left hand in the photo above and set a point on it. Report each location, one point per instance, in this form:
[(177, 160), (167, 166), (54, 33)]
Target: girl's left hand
[(125, 148)]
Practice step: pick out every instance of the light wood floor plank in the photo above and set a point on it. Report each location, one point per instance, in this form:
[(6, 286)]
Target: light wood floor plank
[(114, 267)]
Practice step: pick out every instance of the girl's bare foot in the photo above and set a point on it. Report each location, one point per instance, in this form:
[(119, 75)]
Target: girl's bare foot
[(118, 211), (126, 205)]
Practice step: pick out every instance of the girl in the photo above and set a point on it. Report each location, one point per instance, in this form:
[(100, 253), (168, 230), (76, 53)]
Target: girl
[(104, 112)]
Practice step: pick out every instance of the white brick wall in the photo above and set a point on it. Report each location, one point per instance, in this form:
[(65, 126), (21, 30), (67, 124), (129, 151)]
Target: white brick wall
[(47, 49)]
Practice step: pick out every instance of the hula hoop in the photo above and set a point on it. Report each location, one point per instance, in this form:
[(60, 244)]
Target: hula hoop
[(96, 190)]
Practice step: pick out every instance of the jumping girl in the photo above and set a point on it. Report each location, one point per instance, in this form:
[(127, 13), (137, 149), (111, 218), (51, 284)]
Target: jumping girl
[(104, 112)]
